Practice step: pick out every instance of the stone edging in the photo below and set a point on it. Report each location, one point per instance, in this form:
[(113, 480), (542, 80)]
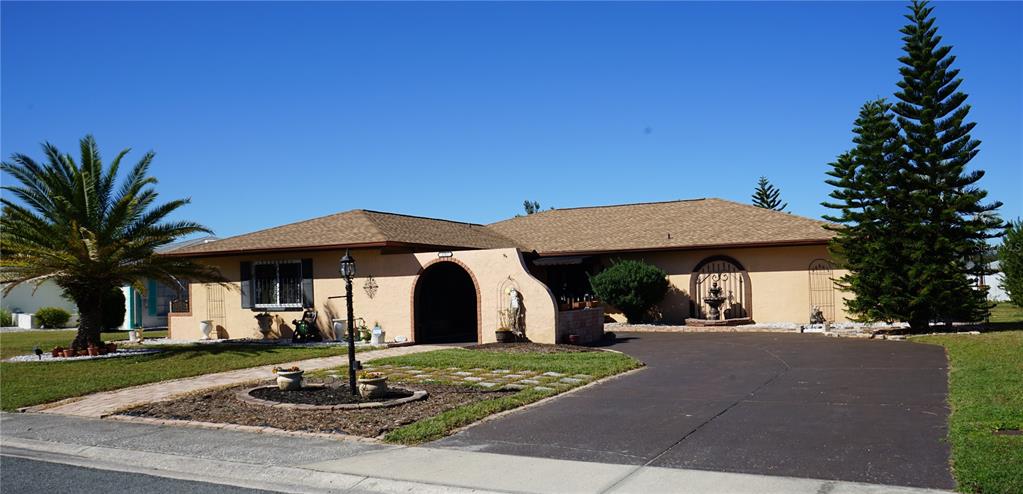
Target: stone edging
[(241, 428), (244, 396)]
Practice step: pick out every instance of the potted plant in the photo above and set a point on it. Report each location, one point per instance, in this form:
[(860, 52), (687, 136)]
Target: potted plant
[(265, 321), (93, 351), (372, 384), (69, 352), (206, 327), (111, 347), (58, 351), (504, 335), (573, 339), (289, 379)]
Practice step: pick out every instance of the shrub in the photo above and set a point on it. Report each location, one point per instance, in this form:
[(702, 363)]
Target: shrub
[(52, 317), (6, 318), (631, 286), (113, 309), (1010, 260)]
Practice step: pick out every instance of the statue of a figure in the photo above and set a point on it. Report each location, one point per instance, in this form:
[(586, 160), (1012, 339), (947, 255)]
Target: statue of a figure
[(817, 315), (515, 311)]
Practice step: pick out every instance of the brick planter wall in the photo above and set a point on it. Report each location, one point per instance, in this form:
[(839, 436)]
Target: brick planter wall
[(587, 323)]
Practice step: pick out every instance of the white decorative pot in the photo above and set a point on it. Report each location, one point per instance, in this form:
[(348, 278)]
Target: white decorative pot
[(206, 327), (289, 380), (339, 329)]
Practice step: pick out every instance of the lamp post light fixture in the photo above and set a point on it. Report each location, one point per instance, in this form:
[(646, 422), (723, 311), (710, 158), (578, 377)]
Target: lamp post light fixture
[(347, 270)]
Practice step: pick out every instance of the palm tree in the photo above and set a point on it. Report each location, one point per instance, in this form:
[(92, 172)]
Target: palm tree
[(76, 226)]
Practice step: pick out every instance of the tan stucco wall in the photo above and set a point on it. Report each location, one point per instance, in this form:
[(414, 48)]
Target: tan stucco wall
[(494, 271), (779, 277)]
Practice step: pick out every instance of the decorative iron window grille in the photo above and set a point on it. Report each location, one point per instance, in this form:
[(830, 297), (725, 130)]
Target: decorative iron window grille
[(277, 284), (734, 282)]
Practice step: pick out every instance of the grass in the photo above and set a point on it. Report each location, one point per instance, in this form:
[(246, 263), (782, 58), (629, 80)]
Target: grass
[(986, 394), (21, 343), (31, 383), (1005, 313), (596, 364)]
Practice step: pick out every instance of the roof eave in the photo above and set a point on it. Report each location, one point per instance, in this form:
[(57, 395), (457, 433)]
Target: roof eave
[(743, 245)]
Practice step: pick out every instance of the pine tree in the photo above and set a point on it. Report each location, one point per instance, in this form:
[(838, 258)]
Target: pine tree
[(867, 193), (531, 207), (951, 223), (767, 196), (1010, 259)]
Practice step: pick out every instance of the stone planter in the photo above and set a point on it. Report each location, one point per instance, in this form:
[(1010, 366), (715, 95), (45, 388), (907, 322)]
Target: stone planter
[(375, 387), (505, 336), (289, 380), (206, 327)]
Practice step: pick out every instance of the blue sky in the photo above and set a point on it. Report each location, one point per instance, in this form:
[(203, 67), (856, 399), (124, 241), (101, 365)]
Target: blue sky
[(267, 113)]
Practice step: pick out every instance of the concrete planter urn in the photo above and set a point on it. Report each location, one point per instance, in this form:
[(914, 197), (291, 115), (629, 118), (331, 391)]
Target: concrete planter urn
[(265, 321), (289, 380), (505, 335), (373, 386), (206, 327)]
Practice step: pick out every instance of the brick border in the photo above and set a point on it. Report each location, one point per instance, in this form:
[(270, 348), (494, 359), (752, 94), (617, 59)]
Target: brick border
[(475, 283)]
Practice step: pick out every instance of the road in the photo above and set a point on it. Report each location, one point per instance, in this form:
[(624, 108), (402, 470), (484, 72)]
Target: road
[(25, 476)]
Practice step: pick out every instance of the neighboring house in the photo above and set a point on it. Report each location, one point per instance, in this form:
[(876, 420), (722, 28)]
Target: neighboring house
[(146, 308), (432, 280)]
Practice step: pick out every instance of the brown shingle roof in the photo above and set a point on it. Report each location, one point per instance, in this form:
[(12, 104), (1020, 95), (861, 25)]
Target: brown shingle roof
[(659, 225), (357, 228), (686, 224)]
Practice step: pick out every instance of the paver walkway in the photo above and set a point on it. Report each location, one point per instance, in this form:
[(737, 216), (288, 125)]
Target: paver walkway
[(108, 402), (497, 378)]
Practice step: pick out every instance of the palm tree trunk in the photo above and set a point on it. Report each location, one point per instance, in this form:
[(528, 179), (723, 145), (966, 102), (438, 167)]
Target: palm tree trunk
[(90, 320)]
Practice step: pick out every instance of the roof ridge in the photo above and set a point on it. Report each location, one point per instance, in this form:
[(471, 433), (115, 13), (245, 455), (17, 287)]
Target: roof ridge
[(785, 213), (388, 213), (627, 204), (219, 239)]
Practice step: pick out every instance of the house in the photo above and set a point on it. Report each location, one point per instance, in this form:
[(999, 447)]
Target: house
[(144, 308), (434, 280)]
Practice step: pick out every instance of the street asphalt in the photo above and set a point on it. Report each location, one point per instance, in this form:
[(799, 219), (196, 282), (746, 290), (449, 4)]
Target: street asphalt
[(763, 403), (26, 476)]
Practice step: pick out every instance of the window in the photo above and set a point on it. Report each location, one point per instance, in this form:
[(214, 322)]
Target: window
[(277, 284)]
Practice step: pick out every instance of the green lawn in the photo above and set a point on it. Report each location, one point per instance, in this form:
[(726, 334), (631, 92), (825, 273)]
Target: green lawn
[(986, 394), (21, 343), (24, 384), (1004, 313), (596, 364)]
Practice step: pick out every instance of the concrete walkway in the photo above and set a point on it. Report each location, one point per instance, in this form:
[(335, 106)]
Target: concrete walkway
[(311, 465), (108, 402)]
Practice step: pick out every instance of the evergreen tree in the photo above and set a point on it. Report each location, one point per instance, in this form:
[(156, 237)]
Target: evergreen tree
[(1010, 259), (531, 207), (767, 196), (951, 223), (871, 207)]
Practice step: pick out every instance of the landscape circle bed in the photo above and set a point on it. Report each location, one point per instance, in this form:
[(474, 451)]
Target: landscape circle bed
[(324, 397)]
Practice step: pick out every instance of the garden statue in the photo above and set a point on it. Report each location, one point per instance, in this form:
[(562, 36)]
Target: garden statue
[(817, 315), (515, 311)]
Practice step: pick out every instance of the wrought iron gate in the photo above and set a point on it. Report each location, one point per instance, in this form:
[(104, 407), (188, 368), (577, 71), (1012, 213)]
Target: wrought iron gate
[(733, 280), (822, 289)]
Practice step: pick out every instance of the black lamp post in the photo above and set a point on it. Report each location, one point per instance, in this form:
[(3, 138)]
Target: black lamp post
[(347, 269)]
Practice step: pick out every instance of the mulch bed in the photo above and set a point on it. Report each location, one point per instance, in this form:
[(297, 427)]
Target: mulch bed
[(327, 395), (221, 406), (528, 347)]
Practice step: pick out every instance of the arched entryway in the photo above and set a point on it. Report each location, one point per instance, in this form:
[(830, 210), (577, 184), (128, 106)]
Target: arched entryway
[(445, 307), (734, 281)]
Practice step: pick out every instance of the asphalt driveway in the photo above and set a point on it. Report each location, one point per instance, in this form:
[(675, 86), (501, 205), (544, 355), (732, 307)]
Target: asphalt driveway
[(777, 404)]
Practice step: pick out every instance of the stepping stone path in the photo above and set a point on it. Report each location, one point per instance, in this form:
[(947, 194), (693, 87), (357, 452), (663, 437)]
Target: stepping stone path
[(487, 378)]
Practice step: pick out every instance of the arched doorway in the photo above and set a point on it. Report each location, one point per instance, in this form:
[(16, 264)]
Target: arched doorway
[(445, 305), (735, 286)]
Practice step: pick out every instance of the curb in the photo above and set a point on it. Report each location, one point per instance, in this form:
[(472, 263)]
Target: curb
[(195, 424)]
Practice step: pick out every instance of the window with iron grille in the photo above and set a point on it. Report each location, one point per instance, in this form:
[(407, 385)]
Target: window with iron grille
[(277, 284)]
